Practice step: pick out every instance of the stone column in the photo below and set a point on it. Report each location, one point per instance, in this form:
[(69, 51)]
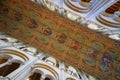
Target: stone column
[(6, 63), (62, 73), (61, 11), (116, 16)]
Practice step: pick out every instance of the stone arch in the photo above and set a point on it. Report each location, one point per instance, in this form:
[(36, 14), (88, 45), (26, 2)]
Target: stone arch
[(48, 69), (5, 56), (14, 52), (36, 70), (10, 57), (34, 76), (49, 77), (70, 79), (8, 64)]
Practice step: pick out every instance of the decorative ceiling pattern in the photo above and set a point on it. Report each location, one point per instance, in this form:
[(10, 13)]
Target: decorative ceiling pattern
[(111, 15), (91, 52)]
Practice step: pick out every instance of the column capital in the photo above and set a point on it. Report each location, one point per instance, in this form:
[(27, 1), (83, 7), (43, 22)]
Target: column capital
[(43, 77)]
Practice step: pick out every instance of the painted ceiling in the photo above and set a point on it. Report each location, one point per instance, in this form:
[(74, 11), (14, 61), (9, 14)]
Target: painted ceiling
[(76, 45)]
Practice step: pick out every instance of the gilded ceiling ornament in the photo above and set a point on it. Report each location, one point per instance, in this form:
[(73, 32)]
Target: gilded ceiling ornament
[(31, 23), (18, 16), (47, 31), (61, 38)]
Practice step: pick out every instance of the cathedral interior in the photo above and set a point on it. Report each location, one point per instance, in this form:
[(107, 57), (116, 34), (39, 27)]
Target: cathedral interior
[(59, 39)]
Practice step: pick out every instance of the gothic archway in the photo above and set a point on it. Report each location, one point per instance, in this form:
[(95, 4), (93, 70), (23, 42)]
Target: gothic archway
[(6, 70)]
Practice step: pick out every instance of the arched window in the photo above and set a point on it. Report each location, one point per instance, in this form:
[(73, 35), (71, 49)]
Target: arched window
[(35, 76), (47, 78), (3, 60), (4, 71)]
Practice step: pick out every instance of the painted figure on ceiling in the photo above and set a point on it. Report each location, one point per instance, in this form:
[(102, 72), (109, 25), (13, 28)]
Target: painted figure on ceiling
[(61, 38), (31, 23), (46, 31), (75, 44), (90, 55), (5, 10), (18, 16), (107, 61)]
